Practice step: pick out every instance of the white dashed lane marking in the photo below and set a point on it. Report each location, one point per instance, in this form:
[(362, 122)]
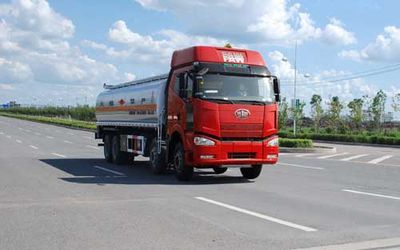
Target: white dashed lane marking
[(300, 166), (330, 156), (92, 147), (59, 155), (18, 141), (109, 170), (258, 215), (380, 159), (68, 142), (34, 147), (353, 157), (49, 137), (371, 194)]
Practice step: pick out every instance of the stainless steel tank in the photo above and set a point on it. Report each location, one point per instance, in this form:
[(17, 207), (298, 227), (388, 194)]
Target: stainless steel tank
[(138, 103)]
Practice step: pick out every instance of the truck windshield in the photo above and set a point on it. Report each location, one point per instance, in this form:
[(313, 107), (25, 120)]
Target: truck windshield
[(235, 88)]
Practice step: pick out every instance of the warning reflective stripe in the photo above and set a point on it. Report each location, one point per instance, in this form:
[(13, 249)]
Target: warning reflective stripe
[(127, 108)]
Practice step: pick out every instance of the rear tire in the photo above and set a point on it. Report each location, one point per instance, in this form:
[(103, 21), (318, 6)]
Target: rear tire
[(182, 172), (157, 161), (252, 172), (220, 170), (107, 148), (118, 157)]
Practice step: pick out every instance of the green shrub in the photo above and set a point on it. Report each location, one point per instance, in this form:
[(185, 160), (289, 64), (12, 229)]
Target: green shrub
[(295, 143), (83, 113)]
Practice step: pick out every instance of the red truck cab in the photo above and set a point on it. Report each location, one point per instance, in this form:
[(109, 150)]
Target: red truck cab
[(221, 111)]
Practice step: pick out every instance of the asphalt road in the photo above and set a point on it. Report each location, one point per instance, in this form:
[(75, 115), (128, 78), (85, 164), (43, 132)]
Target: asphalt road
[(57, 192)]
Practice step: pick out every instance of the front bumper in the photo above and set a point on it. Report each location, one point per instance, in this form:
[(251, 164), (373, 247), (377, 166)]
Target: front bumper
[(235, 153)]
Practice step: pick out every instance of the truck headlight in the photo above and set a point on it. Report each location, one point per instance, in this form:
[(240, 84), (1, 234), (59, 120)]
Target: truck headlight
[(201, 141), (273, 142)]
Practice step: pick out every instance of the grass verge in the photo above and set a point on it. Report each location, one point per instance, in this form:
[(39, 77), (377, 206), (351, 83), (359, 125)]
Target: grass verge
[(54, 120), (372, 139)]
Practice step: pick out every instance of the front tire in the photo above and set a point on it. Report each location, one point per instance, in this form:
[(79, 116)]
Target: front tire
[(251, 173), (220, 170), (118, 157), (157, 161), (107, 148), (182, 172)]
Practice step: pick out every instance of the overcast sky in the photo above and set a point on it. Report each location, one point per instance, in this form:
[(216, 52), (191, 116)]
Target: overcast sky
[(61, 52)]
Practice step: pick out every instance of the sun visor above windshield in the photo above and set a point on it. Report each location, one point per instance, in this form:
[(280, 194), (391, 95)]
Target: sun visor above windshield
[(234, 68)]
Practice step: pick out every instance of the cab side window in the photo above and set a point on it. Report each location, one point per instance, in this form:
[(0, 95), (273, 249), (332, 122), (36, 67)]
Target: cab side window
[(189, 85), (177, 84)]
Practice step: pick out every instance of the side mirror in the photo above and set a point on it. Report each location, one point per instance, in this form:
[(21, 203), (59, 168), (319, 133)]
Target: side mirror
[(277, 89)]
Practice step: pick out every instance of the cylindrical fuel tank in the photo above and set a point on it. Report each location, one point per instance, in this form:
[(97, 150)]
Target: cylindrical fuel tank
[(137, 103)]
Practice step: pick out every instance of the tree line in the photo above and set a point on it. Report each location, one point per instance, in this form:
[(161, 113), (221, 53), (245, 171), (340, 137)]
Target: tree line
[(364, 114)]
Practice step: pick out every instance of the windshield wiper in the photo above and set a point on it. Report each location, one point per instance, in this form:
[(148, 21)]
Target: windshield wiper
[(253, 102), (220, 100)]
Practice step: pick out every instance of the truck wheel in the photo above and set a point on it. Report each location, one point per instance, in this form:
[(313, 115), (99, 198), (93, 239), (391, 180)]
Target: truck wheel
[(219, 170), (118, 157), (107, 148), (157, 161), (182, 172), (252, 172)]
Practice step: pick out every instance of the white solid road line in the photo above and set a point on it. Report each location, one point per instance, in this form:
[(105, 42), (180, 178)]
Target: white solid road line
[(90, 146), (19, 141), (371, 194), (49, 137), (258, 215), (59, 155), (34, 147), (371, 244), (109, 170), (353, 157), (68, 142), (299, 166), (380, 159), (330, 156)]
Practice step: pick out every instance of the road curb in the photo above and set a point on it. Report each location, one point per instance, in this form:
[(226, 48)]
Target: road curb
[(315, 149)]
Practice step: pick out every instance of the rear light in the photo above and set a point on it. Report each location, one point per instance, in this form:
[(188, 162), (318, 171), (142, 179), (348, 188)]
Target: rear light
[(201, 141), (274, 142)]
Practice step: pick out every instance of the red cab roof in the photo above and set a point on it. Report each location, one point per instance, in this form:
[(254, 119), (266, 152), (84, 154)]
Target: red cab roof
[(215, 55)]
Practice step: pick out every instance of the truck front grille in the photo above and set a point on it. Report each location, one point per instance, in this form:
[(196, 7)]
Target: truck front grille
[(242, 130), (242, 155)]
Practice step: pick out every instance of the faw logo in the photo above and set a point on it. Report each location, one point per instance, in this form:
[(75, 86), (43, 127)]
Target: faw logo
[(242, 113), (233, 57)]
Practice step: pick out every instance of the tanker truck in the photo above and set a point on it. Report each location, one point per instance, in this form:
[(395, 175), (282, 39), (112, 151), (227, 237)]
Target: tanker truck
[(216, 108)]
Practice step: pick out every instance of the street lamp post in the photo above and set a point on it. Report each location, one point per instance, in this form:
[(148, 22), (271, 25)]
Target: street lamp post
[(294, 87)]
